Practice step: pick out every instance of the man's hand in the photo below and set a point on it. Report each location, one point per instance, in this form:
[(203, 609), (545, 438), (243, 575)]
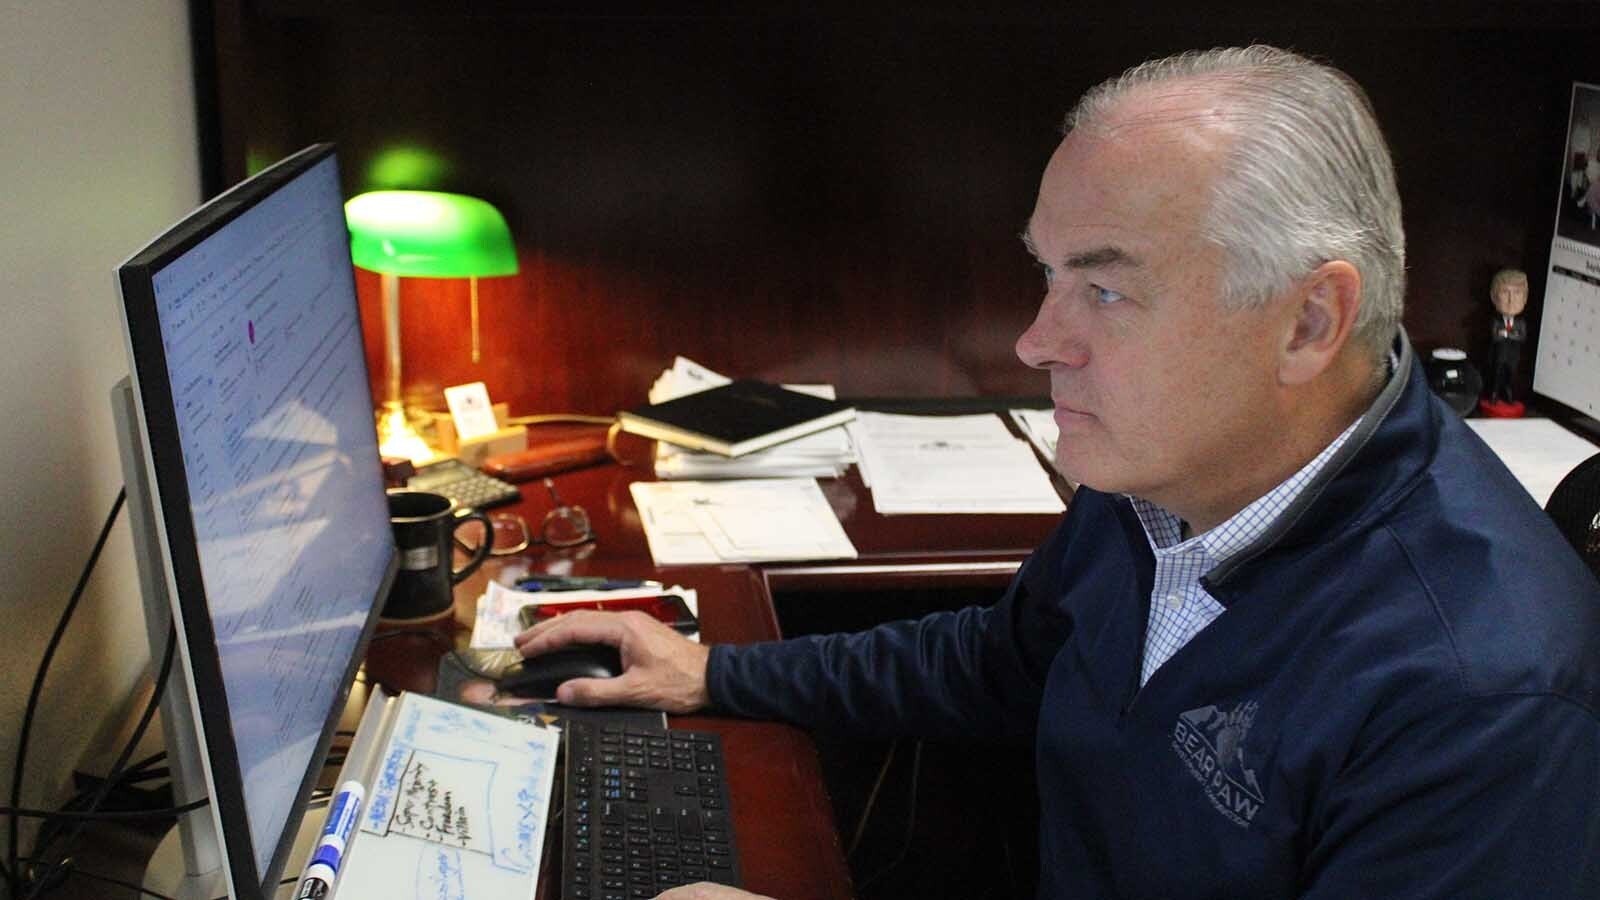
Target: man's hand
[(705, 890), (661, 668)]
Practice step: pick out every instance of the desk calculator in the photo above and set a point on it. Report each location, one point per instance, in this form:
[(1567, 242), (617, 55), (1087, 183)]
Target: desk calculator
[(464, 484)]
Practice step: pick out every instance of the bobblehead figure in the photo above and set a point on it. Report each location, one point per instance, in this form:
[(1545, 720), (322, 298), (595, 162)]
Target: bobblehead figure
[(1509, 293)]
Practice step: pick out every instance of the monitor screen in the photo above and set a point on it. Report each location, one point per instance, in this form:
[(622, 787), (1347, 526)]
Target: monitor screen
[(251, 384), (1567, 367)]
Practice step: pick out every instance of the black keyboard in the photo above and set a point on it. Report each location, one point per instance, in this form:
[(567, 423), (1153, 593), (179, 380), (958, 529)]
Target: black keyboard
[(646, 809)]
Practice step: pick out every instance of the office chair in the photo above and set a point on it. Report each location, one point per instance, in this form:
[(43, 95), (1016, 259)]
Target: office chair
[(1575, 507)]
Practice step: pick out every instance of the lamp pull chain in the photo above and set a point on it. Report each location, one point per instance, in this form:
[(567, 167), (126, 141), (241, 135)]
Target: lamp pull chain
[(473, 281)]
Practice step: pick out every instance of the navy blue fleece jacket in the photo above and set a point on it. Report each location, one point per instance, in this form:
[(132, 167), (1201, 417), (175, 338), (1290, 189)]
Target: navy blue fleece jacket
[(1400, 699)]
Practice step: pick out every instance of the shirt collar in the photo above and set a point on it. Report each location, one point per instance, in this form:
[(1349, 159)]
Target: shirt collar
[(1163, 529)]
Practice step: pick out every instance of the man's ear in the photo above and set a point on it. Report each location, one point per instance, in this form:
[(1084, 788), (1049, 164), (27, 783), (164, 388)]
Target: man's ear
[(1327, 302)]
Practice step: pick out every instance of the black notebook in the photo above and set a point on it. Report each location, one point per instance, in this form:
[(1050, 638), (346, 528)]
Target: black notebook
[(736, 418)]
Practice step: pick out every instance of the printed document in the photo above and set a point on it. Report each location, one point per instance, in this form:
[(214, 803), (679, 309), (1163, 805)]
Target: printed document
[(950, 464), (771, 519)]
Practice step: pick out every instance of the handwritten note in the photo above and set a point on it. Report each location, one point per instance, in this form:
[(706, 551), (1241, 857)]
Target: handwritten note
[(457, 809), (443, 799)]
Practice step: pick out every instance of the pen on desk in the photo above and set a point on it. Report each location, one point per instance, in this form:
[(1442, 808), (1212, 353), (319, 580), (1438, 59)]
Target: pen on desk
[(317, 880), (536, 583)]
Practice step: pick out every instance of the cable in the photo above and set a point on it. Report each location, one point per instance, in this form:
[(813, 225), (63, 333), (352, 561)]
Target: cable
[(137, 773), (113, 814), (141, 889), (117, 768), (554, 418), (13, 876), (95, 876), (148, 761), (872, 798), (911, 821)]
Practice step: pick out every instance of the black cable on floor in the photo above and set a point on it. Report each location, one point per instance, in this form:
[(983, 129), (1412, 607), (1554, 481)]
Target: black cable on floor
[(137, 773), (119, 766), (95, 876), (67, 815), (13, 876)]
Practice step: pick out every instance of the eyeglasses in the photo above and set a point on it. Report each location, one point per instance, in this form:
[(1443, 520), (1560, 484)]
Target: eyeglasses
[(565, 525)]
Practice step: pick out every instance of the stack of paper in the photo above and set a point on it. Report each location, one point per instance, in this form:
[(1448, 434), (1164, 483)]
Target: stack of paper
[(950, 464), (699, 522), (825, 454)]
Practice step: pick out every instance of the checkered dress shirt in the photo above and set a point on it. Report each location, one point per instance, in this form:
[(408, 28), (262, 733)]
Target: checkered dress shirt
[(1179, 606)]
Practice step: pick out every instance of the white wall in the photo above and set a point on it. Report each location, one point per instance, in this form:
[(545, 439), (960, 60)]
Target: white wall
[(98, 153)]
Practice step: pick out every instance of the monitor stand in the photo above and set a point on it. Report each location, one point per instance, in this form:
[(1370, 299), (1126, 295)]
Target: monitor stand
[(167, 875), (187, 864)]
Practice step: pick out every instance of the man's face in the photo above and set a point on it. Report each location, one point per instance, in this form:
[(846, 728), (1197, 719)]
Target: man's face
[(1511, 298), (1159, 391)]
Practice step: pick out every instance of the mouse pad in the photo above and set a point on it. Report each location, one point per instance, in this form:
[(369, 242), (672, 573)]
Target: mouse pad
[(467, 677)]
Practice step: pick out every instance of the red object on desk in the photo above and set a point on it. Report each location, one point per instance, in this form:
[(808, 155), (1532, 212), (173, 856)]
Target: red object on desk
[(546, 457), (669, 608)]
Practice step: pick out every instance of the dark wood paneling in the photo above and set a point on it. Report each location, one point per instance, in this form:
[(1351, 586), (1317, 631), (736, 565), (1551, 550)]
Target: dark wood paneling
[(835, 195)]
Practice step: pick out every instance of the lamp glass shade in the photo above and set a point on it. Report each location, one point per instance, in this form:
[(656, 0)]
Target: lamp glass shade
[(429, 234)]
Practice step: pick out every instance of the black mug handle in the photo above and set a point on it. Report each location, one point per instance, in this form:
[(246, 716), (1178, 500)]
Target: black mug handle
[(484, 547)]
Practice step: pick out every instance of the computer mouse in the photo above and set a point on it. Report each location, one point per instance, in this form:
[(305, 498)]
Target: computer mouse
[(538, 676)]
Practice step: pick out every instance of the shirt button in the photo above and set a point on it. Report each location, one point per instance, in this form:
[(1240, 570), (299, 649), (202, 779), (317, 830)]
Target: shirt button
[(1174, 601)]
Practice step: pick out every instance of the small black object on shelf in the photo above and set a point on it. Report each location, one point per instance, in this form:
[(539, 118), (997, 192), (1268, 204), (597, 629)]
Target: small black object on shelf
[(1454, 378)]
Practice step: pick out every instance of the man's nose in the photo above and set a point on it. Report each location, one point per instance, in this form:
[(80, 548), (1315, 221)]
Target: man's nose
[(1053, 338)]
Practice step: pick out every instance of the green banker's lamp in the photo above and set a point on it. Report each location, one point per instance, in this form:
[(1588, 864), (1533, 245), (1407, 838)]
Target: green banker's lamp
[(425, 234)]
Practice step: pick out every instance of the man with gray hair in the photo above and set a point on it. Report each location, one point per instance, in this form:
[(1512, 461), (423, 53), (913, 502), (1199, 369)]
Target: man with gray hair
[(1299, 633)]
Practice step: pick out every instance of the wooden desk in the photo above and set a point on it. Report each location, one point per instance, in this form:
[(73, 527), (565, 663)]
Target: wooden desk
[(782, 813)]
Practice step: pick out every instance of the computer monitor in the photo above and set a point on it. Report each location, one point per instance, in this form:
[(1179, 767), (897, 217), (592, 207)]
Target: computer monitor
[(1567, 368), (257, 491)]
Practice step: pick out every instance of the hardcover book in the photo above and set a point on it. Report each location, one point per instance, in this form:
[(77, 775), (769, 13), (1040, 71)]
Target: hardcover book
[(736, 418)]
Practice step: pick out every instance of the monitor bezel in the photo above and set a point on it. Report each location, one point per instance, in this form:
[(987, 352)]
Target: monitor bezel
[(176, 534)]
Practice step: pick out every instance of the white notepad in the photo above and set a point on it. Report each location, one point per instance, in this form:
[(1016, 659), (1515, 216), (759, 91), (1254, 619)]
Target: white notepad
[(457, 800)]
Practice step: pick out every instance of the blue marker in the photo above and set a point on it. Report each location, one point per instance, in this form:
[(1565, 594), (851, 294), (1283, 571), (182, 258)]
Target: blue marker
[(318, 878), (535, 583)]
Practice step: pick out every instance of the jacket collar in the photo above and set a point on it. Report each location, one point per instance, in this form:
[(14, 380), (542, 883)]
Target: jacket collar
[(1377, 465)]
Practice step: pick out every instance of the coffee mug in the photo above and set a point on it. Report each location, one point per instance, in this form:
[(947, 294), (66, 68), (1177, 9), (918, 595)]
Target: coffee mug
[(424, 526)]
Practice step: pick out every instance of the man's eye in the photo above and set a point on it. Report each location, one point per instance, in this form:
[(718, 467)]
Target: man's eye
[(1105, 296), (1049, 274)]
